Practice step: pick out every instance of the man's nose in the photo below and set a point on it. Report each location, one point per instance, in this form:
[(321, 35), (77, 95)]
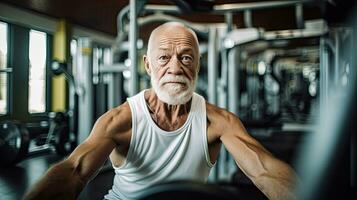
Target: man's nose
[(175, 66)]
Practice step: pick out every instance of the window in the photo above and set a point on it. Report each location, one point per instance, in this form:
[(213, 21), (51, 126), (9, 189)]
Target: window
[(3, 65), (37, 72)]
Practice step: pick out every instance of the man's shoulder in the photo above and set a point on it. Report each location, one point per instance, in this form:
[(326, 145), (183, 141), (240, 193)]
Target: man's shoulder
[(121, 111), (117, 120), (215, 110), (219, 115)]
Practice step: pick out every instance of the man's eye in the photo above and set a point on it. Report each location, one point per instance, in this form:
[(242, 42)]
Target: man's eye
[(161, 58), (186, 58)]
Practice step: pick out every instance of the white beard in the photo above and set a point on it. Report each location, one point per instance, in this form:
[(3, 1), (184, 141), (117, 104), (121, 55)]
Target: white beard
[(173, 93)]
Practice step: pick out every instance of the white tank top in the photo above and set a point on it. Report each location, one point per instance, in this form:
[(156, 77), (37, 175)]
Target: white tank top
[(157, 156)]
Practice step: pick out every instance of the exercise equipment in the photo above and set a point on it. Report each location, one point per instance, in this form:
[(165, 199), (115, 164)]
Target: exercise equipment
[(61, 134), (178, 190), (59, 131), (63, 125), (57, 136), (14, 142)]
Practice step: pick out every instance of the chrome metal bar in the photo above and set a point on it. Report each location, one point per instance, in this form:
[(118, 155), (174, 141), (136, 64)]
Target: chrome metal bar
[(299, 15), (120, 19), (115, 68), (113, 81), (222, 90), (160, 17), (85, 89), (237, 7), (133, 53), (324, 74), (291, 34), (248, 22), (233, 82), (162, 8), (6, 70), (229, 21), (336, 67), (212, 66), (223, 8)]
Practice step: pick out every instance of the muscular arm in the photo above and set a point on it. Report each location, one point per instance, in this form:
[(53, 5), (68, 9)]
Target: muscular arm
[(272, 176), (66, 179)]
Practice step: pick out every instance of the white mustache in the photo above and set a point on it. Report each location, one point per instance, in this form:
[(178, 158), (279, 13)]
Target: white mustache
[(179, 79)]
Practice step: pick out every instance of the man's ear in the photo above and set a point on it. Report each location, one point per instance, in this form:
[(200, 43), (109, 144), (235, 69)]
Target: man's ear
[(147, 66)]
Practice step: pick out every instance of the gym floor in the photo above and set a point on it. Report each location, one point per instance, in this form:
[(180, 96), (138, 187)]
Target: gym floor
[(15, 180)]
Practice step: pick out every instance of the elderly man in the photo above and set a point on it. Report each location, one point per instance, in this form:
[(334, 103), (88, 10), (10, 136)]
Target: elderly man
[(165, 133)]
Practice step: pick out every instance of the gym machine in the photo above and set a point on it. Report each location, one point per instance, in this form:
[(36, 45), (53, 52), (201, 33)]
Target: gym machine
[(190, 190), (14, 139), (61, 128), (66, 140), (60, 131), (14, 142)]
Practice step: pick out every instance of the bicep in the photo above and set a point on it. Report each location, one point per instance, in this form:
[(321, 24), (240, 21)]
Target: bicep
[(89, 156), (111, 129)]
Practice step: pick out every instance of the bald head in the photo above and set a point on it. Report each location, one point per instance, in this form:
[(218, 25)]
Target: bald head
[(172, 62), (172, 30)]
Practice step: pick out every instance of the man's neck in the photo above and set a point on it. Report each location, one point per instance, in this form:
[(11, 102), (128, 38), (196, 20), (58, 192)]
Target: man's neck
[(167, 117)]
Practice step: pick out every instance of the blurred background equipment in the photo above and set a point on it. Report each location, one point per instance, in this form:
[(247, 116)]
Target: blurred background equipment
[(14, 142)]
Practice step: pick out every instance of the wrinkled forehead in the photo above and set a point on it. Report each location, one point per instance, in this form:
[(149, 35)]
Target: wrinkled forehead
[(166, 36)]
